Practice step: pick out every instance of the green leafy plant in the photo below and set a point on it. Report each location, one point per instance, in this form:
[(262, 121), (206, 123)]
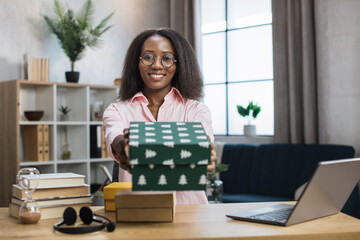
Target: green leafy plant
[(251, 111), (64, 110), (75, 32)]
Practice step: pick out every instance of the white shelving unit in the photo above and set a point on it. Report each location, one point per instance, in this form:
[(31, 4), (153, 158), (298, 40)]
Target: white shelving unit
[(18, 96)]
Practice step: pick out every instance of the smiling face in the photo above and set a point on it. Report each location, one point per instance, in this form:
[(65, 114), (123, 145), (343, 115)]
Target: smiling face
[(156, 76)]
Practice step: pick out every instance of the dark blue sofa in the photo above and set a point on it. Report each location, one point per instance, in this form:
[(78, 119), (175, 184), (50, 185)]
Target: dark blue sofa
[(273, 172)]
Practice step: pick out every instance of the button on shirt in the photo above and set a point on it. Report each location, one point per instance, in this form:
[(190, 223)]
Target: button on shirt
[(175, 108)]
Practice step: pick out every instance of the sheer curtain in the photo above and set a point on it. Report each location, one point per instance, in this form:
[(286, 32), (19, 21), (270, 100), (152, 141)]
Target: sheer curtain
[(295, 81)]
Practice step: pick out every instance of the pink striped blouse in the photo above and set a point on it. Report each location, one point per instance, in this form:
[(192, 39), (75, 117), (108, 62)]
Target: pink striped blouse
[(175, 108)]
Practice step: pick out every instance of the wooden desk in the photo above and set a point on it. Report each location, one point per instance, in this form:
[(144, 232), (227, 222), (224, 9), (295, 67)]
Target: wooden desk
[(194, 222)]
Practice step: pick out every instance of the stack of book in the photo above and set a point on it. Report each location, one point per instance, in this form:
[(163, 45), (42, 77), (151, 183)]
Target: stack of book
[(36, 143), (36, 69), (55, 192), (145, 206)]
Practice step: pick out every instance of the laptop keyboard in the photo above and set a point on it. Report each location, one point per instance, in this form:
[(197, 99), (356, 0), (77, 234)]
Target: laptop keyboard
[(274, 216)]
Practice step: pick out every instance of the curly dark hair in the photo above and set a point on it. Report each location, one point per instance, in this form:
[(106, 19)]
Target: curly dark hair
[(187, 78)]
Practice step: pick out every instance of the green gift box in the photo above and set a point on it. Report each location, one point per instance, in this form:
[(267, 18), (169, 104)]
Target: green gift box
[(168, 155)]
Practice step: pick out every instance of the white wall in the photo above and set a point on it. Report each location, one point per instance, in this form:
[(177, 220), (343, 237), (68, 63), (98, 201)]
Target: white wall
[(338, 53), (23, 30)]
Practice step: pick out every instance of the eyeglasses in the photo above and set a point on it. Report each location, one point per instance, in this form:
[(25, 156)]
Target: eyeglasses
[(166, 60)]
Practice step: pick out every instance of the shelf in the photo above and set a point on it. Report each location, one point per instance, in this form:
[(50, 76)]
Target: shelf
[(83, 99)]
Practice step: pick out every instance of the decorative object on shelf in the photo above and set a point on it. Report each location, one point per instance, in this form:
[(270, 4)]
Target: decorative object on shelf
[(97, 110), (251, 112), (29, 211), (66, 153), (214, 188), (64, 112), (34, 115), (75, 32)]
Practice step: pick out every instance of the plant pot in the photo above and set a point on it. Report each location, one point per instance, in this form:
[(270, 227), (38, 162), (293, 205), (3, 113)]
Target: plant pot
[(250, 130), (72, 76)]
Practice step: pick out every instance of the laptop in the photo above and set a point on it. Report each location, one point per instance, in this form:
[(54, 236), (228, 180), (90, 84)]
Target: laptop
[(324, 195)]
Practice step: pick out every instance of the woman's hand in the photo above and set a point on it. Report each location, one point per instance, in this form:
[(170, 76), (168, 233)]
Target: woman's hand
[(120, 149), (211, 165)]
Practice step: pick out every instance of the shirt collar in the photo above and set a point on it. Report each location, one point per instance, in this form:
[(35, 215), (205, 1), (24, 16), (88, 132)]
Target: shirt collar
[(173, 94)]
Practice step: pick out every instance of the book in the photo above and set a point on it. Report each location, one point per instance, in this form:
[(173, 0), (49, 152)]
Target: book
[(95, 141), (145, 214), (144, 199), (54, 180), (51, 202), (33, 143), (48, 212), (36, 69), (46, 144), (47, 193)]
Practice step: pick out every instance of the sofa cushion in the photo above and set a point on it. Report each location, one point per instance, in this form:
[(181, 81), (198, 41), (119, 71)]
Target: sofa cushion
[(240, 159), (279, 169)]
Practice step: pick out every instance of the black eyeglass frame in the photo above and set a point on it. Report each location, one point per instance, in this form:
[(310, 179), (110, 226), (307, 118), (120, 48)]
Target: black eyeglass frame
[(162, 58)]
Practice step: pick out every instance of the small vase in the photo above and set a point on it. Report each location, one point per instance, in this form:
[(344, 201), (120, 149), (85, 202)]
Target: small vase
[(214, 191), (250, 130), (72, 77), (64, 118)]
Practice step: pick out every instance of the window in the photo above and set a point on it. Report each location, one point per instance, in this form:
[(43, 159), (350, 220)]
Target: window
[(237, 62)]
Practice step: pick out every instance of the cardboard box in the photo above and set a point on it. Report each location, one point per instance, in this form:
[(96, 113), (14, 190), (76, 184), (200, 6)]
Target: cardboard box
[(145, 206), (110, 191), (168, 156)]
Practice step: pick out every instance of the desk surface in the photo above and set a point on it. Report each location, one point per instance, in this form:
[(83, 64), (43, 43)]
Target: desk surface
[(194, 222)]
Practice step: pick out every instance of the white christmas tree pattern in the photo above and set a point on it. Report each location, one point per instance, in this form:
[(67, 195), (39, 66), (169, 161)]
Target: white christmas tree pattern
[(182, 140), (142, 180), (185, 154), (201, 137), (197, 126), (168, 162), (162, 180), (149, 123), (150, 134), (134, 125), (149, 128), (203, 162), (134, 143), (167, 131), (199, 131), (150, 140), (134, 136), (204, 144), (134, 161), (180, 123), (183, 134), (165, 126), (150, 153), (134, 130), (168, 137), (181, 129), (182, 180), (203, 180), (169, 144)]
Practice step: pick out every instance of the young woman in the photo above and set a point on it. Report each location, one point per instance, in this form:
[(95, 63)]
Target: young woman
[(161, 82)]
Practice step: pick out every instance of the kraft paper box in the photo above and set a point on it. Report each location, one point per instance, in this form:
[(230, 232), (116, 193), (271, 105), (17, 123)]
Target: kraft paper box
[(168, 156), (111, 190)]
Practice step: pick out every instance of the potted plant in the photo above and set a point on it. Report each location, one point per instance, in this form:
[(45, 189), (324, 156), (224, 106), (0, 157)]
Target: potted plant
[(75, 32), (251, 112), (64, 112)]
